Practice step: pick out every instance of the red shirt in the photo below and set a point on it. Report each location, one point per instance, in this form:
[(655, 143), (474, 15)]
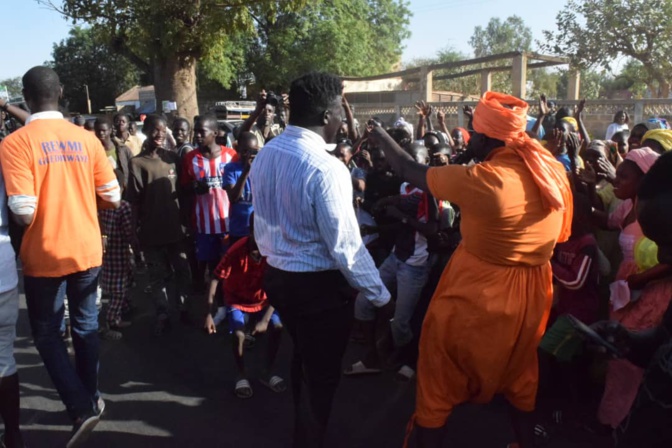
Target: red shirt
[(242, 278), (211, 209), (576, 274)]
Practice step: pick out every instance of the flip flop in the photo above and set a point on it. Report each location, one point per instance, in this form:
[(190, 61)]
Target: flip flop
[(359, 368), (243, 389), (275, 383), (405, 374)]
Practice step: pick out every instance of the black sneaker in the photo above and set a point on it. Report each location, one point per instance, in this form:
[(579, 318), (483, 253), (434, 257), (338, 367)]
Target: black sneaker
[(81, 430)]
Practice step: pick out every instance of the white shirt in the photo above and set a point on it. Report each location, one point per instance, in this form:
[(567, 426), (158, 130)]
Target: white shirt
[(304, 220), (614, 128)]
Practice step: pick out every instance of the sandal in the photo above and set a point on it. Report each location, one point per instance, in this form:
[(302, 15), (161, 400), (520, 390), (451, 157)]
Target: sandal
[(111, 335), (405, 374), (275, 383), (359, 368), (243, 389)]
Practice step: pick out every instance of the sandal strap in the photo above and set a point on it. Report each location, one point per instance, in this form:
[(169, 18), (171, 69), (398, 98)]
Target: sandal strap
[(275, 380)]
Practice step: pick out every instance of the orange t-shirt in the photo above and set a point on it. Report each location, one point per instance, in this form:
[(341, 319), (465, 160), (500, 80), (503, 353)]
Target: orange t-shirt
[(62, 166)]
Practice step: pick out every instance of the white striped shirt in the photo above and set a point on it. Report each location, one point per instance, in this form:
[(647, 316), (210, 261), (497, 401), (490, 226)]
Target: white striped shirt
[(304, 220)]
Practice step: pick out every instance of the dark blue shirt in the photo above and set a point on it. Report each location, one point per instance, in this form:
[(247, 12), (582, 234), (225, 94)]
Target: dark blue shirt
[(239, 214)]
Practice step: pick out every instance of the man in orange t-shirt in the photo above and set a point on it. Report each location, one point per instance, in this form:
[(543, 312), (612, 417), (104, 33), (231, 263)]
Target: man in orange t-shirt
[(483, 326), (53, 171)]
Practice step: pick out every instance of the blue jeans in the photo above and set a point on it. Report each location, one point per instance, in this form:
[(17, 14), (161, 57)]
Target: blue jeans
[(407, 281), (77, 385)]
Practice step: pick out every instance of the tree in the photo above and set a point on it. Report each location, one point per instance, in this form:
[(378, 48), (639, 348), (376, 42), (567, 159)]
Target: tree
[(348, 37), (13, 85), (82, 59), (468, 85), (501, 37), (167, 38), (597, 32)]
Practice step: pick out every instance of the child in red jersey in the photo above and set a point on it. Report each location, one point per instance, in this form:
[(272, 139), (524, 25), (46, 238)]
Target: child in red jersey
[(242, 269)]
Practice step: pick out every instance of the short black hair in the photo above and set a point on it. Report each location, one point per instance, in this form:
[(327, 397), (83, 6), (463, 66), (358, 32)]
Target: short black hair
[(312, 94), (41, 84), (246, 137), (121, 114), (179, 120), (209, 121), (658, 180), (151, 122), (79, 120), (102, 120)]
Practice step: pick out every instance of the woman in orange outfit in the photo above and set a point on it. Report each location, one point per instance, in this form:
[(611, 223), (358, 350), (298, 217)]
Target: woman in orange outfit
[(489, 311)]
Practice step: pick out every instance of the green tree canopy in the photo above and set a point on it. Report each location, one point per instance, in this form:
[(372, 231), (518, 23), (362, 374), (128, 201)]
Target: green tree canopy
[(348, 37), (167, 38), (83, 59), (13, 85), (597, 32)]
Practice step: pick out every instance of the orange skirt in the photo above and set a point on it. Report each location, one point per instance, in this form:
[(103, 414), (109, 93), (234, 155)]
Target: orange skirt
[(480, 336)]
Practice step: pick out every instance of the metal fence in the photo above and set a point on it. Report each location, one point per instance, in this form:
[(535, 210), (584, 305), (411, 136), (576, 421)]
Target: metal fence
[(597, 116)]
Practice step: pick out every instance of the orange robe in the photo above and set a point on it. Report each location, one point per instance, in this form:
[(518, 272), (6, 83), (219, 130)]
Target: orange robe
[(490, 309)]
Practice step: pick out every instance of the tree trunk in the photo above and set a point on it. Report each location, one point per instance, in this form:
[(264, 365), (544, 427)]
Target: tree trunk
[(175, 80), (664, 89)]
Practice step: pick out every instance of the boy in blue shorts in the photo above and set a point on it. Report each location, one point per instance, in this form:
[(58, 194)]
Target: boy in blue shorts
[(242, 269)]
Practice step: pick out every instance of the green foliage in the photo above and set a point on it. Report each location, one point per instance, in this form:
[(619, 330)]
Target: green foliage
[(594, 33), (151, 31), (468, 85), (82, 59), (348, 37), (13, 85), (501, 37)]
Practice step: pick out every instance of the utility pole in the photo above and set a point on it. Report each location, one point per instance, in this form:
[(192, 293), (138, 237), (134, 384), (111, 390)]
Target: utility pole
[(88, 100)]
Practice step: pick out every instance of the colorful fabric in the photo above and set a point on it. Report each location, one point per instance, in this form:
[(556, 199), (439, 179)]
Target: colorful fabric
[(493, 118), (211, 209), (498, 279), (116, 273), (643, 157), (572, 121), (662, 136), (61, 167)]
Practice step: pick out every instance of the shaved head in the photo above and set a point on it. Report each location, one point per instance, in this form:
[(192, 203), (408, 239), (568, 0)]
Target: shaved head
[(41, 85)]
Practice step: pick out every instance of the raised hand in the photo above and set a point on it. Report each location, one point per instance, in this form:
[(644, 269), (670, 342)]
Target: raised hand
[(544, 110), (588, 175), (441, 116), (468, 111), (578, 110)]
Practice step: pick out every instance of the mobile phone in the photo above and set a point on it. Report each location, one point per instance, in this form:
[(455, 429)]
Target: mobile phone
[(593, 337)]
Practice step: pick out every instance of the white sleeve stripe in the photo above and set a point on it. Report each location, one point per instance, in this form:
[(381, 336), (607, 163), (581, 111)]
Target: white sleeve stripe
[(22, 204), (581, 277), (108, 186)]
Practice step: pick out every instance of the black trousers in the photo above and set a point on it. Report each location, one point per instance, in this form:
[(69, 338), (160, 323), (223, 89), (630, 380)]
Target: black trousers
[(317, 310)]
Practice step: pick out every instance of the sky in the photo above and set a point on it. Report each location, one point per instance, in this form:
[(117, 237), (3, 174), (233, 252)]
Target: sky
[(436, 24)]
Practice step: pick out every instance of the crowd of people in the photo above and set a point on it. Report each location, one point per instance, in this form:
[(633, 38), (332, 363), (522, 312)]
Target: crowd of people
[(465, 259)]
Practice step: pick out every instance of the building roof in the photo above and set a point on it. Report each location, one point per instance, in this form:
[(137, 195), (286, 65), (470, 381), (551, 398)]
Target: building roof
[(136, 93)]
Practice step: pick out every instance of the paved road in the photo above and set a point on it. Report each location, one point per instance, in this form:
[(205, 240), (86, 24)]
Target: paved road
[(176, 391)]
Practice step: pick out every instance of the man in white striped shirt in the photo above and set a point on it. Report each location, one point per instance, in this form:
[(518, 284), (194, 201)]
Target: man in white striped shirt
[(306, 227)]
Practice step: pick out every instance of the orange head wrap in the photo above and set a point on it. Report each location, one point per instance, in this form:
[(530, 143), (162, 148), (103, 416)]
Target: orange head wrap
[(504, 117)]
